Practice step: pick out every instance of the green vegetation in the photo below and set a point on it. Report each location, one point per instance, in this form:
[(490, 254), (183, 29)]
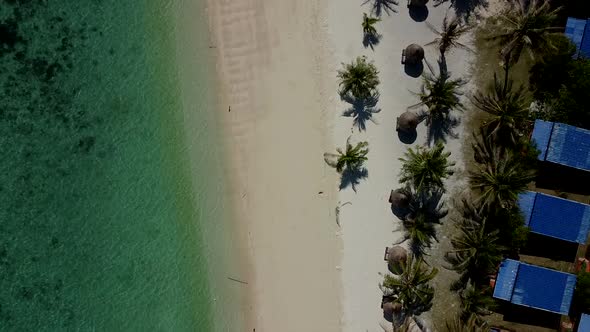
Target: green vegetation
[(561, 84), (440, 95), (358, 79), (449, 35), (369, 25), (476, 250), (523, 26), (475, 303), (507, 109), (411, 288), (426, 168), (352, 158), (582, 292), (499, 181), (469, 325)]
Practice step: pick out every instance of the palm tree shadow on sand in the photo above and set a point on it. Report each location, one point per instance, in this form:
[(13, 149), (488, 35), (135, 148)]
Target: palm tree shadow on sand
[(371, 40), (353, 177), (441, 128), (361, 110), (380, 6), (465, 8)]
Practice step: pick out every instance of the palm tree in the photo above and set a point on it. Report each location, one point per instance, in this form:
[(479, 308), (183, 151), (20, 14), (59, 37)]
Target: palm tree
[(449, 35), (411, 288), (475, 303), (359, 79), (420, 231), (369, 25), (500, 179), (440, 95), (476, 251), (507, 108), (524, 25), (350, 159), (470, 325), (426, 168)]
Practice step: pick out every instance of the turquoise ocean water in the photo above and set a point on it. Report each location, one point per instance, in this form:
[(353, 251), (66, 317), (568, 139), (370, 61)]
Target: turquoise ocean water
[(102, 222)]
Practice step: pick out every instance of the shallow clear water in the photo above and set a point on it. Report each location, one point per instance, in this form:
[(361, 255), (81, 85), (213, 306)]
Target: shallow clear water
[(97, 217)]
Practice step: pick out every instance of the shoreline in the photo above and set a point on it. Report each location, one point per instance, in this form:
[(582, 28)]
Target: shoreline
[(286, 230)]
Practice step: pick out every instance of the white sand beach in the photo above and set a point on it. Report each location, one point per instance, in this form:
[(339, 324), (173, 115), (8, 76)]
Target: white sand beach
[(277, 63), (272, 75), (368, 224)]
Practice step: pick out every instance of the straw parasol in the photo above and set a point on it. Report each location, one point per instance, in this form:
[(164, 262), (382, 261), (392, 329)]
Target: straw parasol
[(399, 199), (391, 308), (407, 121), (414, 54), (396, 255)]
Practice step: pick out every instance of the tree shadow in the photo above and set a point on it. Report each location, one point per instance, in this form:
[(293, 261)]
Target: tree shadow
[(371, 40), (414, 70), (362, 110), (418, 13), (464, 8), (380, 6), (442, 127), (353, 177), (442, 65)]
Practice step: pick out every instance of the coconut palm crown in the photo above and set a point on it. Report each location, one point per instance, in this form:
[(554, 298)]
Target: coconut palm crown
[(425, 168), (507, 109), (525, 25), (500, 178), (369, 25), (358, 79), (475, 253), (411, 288), (449, 34), (440, 95), (351, 158)]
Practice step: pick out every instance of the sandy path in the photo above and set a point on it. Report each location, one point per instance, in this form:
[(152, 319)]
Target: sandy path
[(270, 64)]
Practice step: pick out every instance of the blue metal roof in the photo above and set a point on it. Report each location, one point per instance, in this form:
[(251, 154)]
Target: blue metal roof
[(563, 144), (574, 30), (535, 286), (541, 136), (555, 217), (526, 203), (506, 279), (584, 325)]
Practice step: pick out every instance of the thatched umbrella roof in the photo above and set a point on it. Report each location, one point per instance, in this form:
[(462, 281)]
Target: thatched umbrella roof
[(391, 308), (399, 199), (407, 121), (397, 254), (414, 53)]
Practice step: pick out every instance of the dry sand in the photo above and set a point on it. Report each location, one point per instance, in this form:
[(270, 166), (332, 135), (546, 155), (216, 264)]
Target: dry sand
[(368, 224), (277, 62)]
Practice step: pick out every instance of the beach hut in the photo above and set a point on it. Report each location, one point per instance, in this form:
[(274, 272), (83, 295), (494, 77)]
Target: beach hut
[(413, 54), (562, 144), (399, 199), (555, 217), (535, 287)]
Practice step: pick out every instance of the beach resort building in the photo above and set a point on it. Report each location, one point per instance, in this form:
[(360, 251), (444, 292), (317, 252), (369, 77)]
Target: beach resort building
[(555, 217), (562, 144), (535, 287)]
